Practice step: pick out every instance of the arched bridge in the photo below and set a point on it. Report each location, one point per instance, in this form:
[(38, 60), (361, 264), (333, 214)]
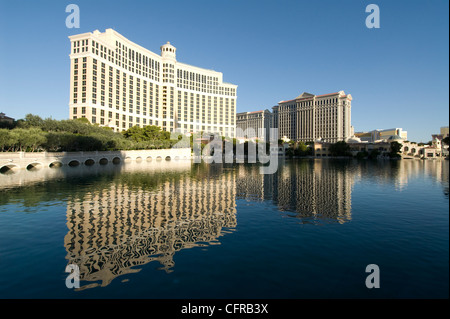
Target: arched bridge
[(13, 161)]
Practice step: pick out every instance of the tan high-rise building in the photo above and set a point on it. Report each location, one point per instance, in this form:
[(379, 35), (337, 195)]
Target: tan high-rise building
[(254, 124), (117, 83), (309, 117)]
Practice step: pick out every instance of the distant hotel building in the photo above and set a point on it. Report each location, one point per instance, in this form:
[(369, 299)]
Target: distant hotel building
[(444, 131), (117, 83), (309, 117), (379, 135), (254, 125)]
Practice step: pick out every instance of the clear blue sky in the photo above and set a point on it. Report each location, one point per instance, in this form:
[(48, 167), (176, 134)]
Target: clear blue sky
[(273, 50)]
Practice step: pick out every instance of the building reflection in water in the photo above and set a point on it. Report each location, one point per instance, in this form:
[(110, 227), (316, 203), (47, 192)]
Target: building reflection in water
[(126, 224), (149, 215), (316, 193), (122, 217), (312, 191)]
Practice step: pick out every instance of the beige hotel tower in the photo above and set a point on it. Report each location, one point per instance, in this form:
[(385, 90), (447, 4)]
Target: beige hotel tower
[(117, 83), (311, 117)]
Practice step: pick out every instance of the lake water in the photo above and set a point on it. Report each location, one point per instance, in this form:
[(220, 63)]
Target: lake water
[(182, 230)]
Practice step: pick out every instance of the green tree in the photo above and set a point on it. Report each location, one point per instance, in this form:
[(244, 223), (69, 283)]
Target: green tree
[(30, 140), (153, 132), (8, 125), (5, 139), (340, 148), (446, 140), (302, 149), (83, 120), (395, 150), (31, 121), (33, 134), (135, 133), (165, 135), (55, 141)]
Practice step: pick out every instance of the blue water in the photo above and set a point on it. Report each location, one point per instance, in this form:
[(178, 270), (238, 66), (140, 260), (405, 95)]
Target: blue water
[(225, 231)]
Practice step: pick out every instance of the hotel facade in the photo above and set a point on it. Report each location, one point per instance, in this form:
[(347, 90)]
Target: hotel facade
[(310, 117), (117, 83), (255, 124)]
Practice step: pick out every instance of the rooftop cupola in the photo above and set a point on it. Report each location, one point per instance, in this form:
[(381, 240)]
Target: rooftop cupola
[(168, 51)]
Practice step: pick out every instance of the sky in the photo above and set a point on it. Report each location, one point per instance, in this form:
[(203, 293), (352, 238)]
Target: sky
[(398, 74)]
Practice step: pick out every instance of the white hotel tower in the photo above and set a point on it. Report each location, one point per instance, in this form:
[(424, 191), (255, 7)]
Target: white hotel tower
[(117, 83)]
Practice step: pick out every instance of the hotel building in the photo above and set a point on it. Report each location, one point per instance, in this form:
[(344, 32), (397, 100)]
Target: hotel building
[(117, 83), (309, 117), (380, 135), (249, 124)]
